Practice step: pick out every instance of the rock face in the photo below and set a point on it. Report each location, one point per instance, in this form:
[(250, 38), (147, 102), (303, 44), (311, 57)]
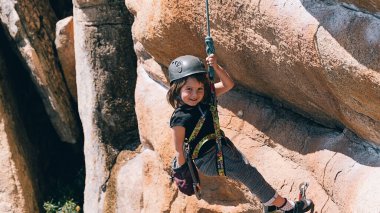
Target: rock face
[(306, 107), (368, 5), (17, 188), (64, 42), (153, 114), (305, 55), (106, 78), (31, 26), (286, 148), (321, 59)]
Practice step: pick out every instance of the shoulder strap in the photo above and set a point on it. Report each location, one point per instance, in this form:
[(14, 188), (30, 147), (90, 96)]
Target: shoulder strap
[(198, 126), (186, 147)]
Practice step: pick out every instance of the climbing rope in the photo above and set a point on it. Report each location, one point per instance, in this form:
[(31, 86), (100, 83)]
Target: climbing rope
[(213, 105)]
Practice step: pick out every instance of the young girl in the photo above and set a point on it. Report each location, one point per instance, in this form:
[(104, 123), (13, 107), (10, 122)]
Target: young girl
[(189, 94)]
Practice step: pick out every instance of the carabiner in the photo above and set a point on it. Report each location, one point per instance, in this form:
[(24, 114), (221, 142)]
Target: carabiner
[(302, 187)]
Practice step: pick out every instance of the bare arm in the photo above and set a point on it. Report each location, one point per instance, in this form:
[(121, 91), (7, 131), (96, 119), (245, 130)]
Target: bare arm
[(179, 138), (226, 83)]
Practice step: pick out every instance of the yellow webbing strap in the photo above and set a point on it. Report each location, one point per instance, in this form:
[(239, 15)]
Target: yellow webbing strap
[(201, 143)]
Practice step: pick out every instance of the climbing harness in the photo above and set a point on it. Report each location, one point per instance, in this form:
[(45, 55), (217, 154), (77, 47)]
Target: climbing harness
[(213, 102), (187, 151), (196, 184)]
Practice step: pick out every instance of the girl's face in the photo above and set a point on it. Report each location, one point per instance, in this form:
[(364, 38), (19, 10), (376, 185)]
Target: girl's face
[(192, 92)]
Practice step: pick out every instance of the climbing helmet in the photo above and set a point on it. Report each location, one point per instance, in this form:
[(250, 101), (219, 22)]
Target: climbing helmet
[(184, 66)]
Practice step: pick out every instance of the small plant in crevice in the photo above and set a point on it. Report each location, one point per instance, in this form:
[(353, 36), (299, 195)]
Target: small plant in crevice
[(68, 206), (66, 197)]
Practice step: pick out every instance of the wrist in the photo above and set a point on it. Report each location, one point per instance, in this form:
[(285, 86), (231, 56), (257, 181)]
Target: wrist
[(180, 158), (217, 67)]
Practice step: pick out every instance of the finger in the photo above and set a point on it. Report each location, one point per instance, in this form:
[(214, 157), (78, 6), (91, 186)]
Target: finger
[(210, 56)]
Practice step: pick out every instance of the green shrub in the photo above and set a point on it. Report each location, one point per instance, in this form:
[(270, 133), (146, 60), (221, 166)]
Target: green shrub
[(68, 207)]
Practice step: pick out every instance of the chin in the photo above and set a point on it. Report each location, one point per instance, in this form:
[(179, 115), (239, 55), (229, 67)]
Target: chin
[(192, 104)]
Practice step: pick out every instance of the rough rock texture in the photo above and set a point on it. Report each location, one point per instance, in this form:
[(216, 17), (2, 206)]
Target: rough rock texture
[(64, 42), (156, 135), (367, 5), (106, 78), (17, 187), (288, 149), (150, 65), (148, 176), (319, 58), (31, 26)]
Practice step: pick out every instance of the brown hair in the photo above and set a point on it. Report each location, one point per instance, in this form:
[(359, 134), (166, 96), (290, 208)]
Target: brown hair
[(173, 95)]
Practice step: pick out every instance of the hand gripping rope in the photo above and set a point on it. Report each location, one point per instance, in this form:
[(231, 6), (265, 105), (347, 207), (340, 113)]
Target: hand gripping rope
[(213, 102)]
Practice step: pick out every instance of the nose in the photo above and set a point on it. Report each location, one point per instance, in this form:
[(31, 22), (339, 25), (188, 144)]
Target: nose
[(194, 94)]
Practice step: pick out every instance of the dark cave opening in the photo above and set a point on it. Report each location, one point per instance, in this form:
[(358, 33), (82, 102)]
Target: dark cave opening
[(62, 8), (57, 168)]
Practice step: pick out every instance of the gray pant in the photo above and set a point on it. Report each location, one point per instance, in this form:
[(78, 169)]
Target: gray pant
[(237, 168)]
